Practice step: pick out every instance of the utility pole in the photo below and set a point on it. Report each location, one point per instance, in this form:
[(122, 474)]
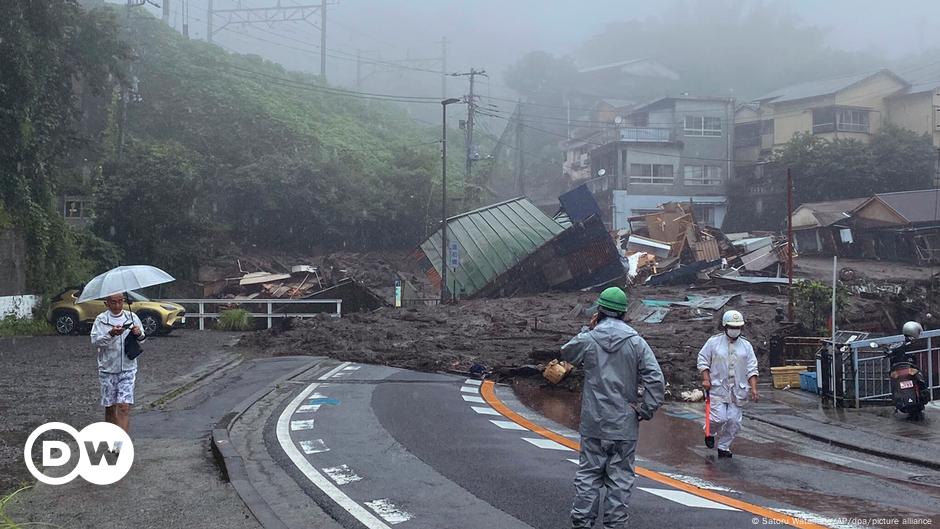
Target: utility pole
[(209, 13), (443, 43), (358, 69), (471, 108), (186, 18), (166, 12), (790, 314), (323, 39), (520, 171), (444, 104)]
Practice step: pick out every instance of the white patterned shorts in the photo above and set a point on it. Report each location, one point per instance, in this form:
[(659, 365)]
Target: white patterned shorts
[(117, 388)]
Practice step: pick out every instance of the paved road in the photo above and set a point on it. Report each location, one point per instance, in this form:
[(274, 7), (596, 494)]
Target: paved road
[(381, 447)]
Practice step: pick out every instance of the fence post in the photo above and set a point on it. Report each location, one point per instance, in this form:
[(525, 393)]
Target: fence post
[(339, 308), (202, 319), (930, 365), (856, 374), (269, 314)]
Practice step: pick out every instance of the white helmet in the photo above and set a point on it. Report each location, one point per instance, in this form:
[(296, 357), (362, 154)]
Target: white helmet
[(732, 318), (912, 330)]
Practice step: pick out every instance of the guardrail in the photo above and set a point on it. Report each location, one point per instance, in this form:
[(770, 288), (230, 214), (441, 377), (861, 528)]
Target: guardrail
[(202, 315), (870, 370)]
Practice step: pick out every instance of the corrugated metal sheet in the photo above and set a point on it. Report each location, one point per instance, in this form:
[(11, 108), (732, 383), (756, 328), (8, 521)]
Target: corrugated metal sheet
[(492, 240), (915, 206)]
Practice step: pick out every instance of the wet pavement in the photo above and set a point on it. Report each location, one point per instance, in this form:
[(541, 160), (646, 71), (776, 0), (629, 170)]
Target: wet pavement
[(829, 481)]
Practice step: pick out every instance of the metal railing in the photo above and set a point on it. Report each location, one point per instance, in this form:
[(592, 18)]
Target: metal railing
[(869, 371), (270, 314)]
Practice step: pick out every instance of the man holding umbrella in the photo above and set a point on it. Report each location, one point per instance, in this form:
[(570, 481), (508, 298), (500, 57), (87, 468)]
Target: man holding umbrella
[(113, 328), (116, 371)]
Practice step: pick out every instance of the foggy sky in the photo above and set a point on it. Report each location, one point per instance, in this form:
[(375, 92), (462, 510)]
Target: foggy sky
[(492, 34)]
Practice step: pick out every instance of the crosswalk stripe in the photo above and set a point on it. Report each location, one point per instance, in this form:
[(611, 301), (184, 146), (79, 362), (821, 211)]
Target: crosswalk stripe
[(689, 500), (473, 382), (301, 425), (484, 411), (313, 446), (388, 511), (470, 389), (473, 398), (541, 442), (507, 425)]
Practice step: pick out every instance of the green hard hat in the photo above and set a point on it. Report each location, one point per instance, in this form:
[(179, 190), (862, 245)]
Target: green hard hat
[(613, 298)]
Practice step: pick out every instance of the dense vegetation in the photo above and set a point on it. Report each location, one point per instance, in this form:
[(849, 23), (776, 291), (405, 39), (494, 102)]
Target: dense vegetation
[(191, 152), (49, 52)]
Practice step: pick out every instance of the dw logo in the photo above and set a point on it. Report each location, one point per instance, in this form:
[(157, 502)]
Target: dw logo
[(105, 453)]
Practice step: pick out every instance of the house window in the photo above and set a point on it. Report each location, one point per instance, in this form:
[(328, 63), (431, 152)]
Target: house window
[(747, 135), (702, 175), (767, 127), (852, 120), (646, 173), (702, 126), (824, 120)]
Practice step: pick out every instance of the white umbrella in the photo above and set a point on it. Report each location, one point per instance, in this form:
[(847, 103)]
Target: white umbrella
[(122, 279)]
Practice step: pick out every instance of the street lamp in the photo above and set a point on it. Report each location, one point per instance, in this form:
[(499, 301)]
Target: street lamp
[(444, 104)]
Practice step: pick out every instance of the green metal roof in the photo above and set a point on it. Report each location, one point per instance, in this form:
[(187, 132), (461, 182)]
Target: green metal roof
[(492, 240)]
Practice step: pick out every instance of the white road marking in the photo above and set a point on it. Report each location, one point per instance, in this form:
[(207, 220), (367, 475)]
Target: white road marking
[(296, 426), (307, 408), (387, 510), (689, 500), (541, 442), (473, 382), (351, 368), (342, 474), (339, 374), (697, 482), (575, 461), (283, 435), (470, 389), (332, 372), (485, 411), (314, 446), (507, 425), (473, 398)]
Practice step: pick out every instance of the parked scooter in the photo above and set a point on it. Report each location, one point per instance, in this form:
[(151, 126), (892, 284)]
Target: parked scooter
[(908, 388)]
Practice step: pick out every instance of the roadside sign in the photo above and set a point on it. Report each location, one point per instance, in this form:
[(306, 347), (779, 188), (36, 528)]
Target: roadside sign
[(398, 293), (453, 253)]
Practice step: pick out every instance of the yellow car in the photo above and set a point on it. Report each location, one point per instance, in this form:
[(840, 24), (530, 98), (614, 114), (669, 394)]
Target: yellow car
[(69, 316)]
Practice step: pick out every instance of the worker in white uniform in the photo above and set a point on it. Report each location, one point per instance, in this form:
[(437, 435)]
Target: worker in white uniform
[(729, 372)]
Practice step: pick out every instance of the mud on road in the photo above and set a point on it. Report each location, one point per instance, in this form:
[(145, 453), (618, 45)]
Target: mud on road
[(55, 378), (512, 337)]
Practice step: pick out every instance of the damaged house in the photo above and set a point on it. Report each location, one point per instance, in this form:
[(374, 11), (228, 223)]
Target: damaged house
[(512, 247), (901, 226)]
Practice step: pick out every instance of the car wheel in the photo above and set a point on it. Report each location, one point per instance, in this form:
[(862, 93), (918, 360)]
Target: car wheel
[(151, 323), (65, 322)]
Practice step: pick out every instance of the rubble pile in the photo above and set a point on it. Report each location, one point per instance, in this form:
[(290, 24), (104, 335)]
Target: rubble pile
[(669, 247), (516, 337)]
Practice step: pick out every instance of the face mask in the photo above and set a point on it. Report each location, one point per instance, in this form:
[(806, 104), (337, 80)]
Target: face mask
[(733, 333)]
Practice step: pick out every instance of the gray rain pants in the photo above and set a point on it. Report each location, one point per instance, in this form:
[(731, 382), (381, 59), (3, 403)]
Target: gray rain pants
[(607, 464)]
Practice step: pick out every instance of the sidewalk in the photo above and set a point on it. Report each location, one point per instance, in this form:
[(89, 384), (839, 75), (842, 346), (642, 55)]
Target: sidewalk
[(874, 430)]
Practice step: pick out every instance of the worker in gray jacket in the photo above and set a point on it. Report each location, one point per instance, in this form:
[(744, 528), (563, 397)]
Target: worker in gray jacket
[(623, 384)]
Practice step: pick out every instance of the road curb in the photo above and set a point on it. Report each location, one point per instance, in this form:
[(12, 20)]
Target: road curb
[(832, 440), (231, 462), (196, 377)]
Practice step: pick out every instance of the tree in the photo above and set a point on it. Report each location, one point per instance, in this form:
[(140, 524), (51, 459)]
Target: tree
[(541, 77), (903, 160), (896, 159)]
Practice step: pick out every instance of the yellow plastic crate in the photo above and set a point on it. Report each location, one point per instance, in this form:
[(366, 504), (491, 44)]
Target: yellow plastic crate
[(786, 376)]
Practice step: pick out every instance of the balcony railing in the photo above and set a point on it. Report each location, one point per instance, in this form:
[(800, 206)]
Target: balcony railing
[(646, 134)]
